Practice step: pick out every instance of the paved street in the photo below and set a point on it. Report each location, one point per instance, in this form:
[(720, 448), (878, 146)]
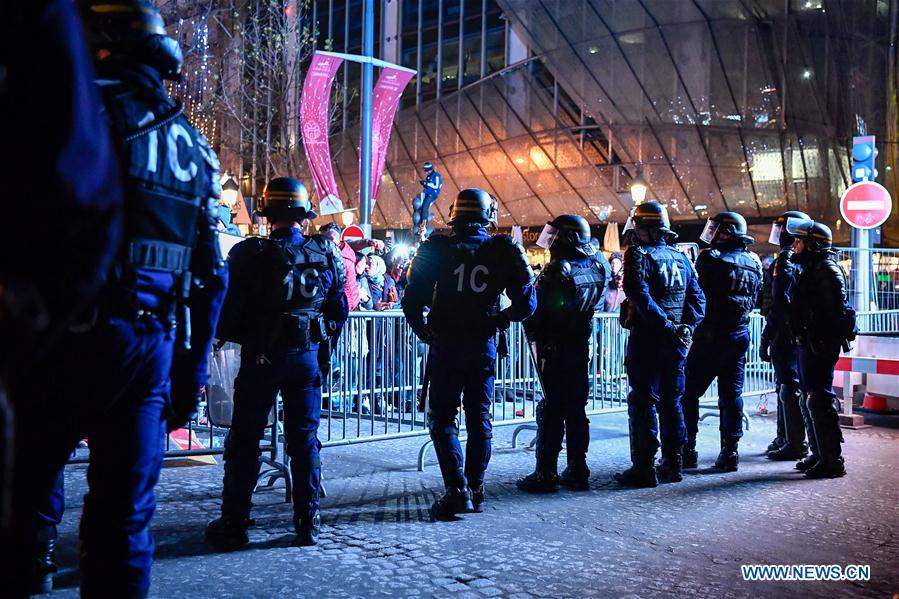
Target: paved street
[(684, 539)]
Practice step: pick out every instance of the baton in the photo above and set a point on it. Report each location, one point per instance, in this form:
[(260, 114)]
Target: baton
[(532, 350), (425, 383)]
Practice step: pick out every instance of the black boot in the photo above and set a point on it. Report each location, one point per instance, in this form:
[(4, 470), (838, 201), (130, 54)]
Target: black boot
[(828, 437), (690, 455), (539, 482), (805, 464), (642, 473), (794, 447), (781, 439), (44, 567), (227, 532), (456, 500), (823, 469), (788, 453), (576, 477), (669, 469), (640, 476), (478, 498), (728, 459), (307, 528)]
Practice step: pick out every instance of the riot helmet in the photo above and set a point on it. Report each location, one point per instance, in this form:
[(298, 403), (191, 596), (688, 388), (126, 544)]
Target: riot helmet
[(428, 167), (783, 225), (567, 232), (731, 223), (286, 198), (816, 237), (649, 223), (473, 208), (132, 30), (331, 230)]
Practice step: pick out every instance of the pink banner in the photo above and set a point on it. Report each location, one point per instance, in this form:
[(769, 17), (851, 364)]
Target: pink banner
[(385, 100), (314, 124)]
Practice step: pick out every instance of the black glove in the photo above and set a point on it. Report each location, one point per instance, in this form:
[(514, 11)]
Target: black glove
[(765, 350), (683, 335), (425, 333), (502, 320), (324, 358), (183, 407)]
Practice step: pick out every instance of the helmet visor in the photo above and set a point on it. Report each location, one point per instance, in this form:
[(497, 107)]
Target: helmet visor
[(547, 236), (776, 230), (709, 231)]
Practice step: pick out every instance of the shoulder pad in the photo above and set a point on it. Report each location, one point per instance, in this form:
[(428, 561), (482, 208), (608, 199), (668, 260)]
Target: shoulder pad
[(208, 154), (437, 241), (635, 249), (555, 268), (503, 240), (249, 246), (755, 259)]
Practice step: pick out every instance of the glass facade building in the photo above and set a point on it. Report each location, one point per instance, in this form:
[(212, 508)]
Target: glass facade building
[(746, 105)]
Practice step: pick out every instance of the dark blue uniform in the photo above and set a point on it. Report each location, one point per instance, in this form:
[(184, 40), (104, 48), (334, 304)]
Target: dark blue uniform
[(460, 278), (782, 349), (75, 194), (818, 322), (568, 293), (731, 278), (662, 293), (120, 363), (286, 296)]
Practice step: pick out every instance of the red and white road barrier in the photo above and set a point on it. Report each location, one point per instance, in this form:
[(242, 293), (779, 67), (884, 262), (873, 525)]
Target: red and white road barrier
[(864, 365)]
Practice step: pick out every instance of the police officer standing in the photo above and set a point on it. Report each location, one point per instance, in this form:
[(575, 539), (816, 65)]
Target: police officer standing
[(731, 277), (777, 345), (286, 298), (664, 304), (131, 360), (822, 324), (460, 278), (569, 289)]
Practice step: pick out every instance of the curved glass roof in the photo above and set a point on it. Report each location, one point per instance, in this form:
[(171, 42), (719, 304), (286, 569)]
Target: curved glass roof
[(729, 105)]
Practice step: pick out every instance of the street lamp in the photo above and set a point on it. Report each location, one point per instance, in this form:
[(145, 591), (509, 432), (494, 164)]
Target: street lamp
[(347, 217), (638, 186), (229, 191)]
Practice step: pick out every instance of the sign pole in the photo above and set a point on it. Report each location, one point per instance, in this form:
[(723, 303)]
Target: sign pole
[(368, 29), (863, 271)]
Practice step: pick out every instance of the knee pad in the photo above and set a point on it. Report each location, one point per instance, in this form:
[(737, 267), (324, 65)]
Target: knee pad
[(479, 428), (443, 430)]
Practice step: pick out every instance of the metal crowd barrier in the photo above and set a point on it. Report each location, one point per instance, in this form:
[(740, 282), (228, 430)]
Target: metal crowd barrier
[(377, 369)]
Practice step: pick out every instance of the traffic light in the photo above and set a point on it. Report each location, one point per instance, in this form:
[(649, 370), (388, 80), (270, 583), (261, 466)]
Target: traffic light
[(864, 153)]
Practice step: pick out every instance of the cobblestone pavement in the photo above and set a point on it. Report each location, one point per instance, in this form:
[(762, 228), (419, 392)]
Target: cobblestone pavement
[(683, 539)]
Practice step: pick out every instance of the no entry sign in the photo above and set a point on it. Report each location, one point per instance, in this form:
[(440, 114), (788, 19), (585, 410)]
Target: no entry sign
[(866, 205), (352, 232)]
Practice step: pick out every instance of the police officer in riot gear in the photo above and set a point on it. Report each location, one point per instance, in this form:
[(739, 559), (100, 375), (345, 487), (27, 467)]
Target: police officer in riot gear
[(138, 357), (821, 323), (569, 289), (286, 299), (664, 304), (778, 348), (460, 278), (731, 277)]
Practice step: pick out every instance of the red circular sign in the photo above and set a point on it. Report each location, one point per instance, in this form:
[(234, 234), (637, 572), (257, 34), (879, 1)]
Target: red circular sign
[(352, 232), (866, 205)]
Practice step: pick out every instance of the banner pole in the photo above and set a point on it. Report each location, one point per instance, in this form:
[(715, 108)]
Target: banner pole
[(367, 82)]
